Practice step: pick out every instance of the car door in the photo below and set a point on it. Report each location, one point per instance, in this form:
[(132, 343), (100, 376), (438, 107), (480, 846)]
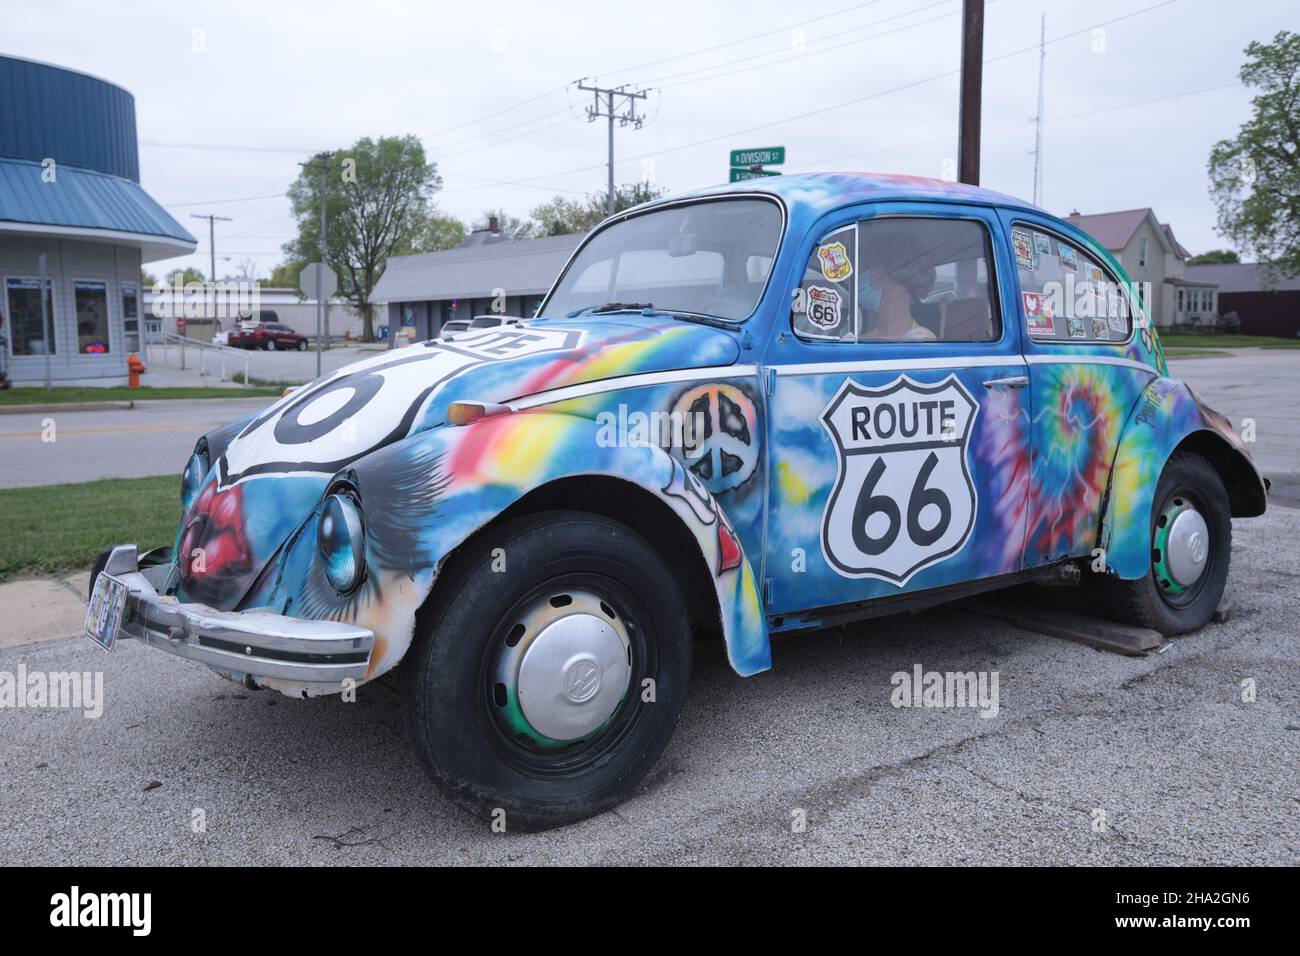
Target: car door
[(1086, 373), (896, 409)]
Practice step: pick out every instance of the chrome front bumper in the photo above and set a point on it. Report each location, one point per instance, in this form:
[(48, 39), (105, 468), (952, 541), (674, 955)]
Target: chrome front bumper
[(254, 642)]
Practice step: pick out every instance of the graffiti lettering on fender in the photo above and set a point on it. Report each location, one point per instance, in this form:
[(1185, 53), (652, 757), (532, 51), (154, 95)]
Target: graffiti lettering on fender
[(1153, 400), (903, 499)]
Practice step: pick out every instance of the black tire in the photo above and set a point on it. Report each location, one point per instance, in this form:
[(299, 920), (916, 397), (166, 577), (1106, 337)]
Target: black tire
[(1147, 601), (100, 562), (270, 345), (302, 346), (455, 714)]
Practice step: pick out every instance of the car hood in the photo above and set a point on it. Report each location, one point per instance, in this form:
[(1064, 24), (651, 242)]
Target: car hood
[(269, 471), (343, 416)]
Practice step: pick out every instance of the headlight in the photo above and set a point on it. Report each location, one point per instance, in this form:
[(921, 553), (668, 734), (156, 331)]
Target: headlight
[(341, 540), (196, 469)]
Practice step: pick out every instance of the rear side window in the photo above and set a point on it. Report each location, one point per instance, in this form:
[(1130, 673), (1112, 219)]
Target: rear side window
[(1065, 294), (900, 279)]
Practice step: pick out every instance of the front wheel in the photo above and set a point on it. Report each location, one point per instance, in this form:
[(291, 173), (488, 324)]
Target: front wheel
[(1191, 546), (549, 671), (270, 345), (302, 346)]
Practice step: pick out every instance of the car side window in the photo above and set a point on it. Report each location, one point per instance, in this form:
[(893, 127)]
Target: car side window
[(1066, 295), (900, 279)]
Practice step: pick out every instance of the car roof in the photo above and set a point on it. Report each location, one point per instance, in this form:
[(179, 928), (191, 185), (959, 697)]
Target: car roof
[(822, 191)]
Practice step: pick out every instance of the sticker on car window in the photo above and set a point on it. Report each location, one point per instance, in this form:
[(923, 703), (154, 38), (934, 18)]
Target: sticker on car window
[(1075, 324), (1024, 247), (824, 307), (1042, 244), (835, 262), (1068, 258), (1038, 313), (1099, 329)]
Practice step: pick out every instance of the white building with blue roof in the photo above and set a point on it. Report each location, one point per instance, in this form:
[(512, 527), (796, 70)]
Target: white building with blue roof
[(70, 189)]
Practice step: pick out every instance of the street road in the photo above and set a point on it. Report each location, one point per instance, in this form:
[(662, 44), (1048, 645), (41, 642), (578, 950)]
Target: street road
[(1160, 753), (153, 438)]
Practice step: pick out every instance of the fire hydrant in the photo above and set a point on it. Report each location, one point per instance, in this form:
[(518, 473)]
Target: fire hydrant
[(133, 369)]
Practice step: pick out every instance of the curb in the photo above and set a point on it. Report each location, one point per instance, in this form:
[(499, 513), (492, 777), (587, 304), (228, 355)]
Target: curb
[(64, 407)]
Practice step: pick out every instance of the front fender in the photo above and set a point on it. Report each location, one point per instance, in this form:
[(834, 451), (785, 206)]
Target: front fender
[(1168, 414), (425, 496)]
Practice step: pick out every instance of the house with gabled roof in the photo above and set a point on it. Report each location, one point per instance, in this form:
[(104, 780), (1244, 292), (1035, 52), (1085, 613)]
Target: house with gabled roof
[(1149, 253)]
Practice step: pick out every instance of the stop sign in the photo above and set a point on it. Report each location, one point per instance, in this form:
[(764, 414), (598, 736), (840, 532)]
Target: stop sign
[(329, 282)]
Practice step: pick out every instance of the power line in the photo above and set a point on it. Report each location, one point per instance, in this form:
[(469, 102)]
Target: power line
[(856, 100), (212, 239), (753, 36), (628, 116), (660, 80)]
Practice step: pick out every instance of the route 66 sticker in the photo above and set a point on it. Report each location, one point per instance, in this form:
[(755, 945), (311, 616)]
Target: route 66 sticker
[(903, 499), (824, 306)]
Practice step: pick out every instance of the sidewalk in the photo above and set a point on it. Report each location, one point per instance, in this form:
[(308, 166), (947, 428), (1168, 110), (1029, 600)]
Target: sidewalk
[(42, 609)]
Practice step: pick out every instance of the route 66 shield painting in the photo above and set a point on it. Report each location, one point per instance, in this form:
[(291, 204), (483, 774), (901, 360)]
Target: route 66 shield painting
[(903, 499)]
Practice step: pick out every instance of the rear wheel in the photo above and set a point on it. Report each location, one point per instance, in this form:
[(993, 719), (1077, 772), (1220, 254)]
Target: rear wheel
[(1191, 546), (270, 345), (547, 676)]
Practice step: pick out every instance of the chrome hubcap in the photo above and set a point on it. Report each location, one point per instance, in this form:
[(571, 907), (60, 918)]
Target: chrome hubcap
[(1187, 546), (563, 670)]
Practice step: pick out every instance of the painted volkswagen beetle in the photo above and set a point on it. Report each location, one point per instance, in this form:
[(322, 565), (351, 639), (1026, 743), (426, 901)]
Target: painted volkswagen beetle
[(742, 412)]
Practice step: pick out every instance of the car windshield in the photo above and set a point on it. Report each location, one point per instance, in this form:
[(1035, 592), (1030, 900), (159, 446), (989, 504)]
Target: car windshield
[(704, 258)]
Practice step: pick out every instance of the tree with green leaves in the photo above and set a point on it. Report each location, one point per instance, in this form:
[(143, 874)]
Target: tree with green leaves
[(561, 216), (378, 203), (1215, 257), (1255, 178), (509, 226), (181, 277), (441, 231)]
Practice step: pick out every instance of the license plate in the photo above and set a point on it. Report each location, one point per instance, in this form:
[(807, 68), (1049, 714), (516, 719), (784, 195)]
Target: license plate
[(104, 615)]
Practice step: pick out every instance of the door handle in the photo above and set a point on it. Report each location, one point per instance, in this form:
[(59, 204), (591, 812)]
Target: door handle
[(1011, 381)]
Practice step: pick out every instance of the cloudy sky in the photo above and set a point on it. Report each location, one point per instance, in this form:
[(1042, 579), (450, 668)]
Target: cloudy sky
[(231, 96)]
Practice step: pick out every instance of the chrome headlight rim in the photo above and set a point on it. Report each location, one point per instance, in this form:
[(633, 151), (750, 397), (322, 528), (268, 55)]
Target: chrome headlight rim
[(341, 539)]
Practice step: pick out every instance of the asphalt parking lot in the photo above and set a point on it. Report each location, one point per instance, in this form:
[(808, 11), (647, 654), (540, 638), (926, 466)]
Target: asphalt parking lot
[(1187, 756)]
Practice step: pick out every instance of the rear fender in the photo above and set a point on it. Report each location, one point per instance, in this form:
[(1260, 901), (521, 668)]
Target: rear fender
[(1169, 416)]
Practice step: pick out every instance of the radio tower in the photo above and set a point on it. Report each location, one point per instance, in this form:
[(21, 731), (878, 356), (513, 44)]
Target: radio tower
[(1038, 120)]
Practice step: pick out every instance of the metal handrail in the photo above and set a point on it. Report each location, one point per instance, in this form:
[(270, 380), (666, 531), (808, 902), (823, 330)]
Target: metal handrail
[(172, 338)]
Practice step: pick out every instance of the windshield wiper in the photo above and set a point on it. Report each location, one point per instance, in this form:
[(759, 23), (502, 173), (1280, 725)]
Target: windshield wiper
[(610, 307)]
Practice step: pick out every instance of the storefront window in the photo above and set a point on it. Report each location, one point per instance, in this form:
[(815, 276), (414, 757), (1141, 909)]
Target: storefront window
[(25, 335), (92, 316)]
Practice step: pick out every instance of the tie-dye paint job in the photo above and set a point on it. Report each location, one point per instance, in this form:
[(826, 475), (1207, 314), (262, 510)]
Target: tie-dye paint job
[(1055, 468)]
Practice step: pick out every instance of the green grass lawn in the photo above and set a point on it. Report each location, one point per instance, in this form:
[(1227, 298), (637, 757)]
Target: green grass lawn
[(63, 395), (1209, 340), (64, 527)]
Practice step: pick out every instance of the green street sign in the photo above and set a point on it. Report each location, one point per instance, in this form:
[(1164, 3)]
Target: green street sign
[(769, 156), (740, 175)]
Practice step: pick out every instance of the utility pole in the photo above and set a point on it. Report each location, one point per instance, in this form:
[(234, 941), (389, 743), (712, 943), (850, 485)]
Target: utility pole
[(972, 81), (629, 115), (212, 240), (1038, 120), (322, 165)]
